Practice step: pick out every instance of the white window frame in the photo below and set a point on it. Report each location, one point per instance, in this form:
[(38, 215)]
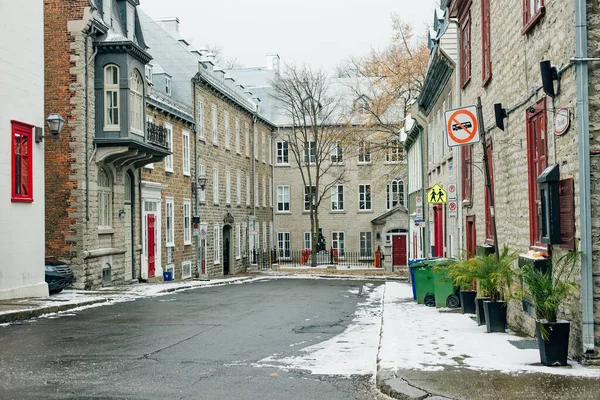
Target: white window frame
[(247, 138), (338, 242), (337, 154), (395, 193), (237, 136), (238, 187), (264, 147), (217, 244), (148, 72), (106, 12), (270, 150), (169, 136), (214, 124), (227, 138), (255, 141), (283, 245), (169, 222), (364, 152), (185, 154), (256, 199), (264, 199), (365, 237), (136, 102), (201, 120), (270, 192), (228, 187), (238, 241), (186, 264), (307, 240), (337, 197), (283, 199), (149, 120), (265, 235), (248, 189), (395, 153), (283, 154), (168, 85), (310, 150), (364, 189), (112, 89), (202, 192), (216, 185), (187, 222), (307, 200), (105, 197)]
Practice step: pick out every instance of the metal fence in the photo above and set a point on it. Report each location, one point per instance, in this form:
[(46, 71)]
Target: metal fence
[(348, 259)]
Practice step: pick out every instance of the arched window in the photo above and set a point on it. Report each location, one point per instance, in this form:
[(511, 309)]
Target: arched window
[(127, 194), (136, 102), (395, 194), (111, 97), (104, 199)]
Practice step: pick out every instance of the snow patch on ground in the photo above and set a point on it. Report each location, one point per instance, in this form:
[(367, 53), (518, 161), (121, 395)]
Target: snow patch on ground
[(353, 352), (423, 338)]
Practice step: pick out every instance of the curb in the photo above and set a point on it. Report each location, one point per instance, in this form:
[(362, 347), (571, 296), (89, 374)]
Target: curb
[(20, 315)]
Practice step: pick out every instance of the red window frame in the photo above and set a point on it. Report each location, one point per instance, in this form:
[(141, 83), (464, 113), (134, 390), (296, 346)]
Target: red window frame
[(486, 55), (489, 227), (529, 18), (537, 161), (21, 155), (465, 48), (467, 175)]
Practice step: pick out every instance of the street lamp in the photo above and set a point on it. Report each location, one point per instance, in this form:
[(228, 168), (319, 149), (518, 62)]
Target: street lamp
[(55, 124), (202, 181)]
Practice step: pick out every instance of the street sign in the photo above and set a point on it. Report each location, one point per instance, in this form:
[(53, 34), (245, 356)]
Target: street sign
[(562, 121), (452, 191), (419, 201), (452, 208), (419, 211), (462, 127), (437, 195)]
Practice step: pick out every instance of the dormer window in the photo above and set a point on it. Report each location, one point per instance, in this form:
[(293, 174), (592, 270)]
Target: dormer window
[(111, 97), (106, 12), (130, 22), (148, 73), (136, 103), (168, 85)]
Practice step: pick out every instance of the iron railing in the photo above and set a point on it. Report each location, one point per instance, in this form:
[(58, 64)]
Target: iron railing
[(347, 259), (157, 134)]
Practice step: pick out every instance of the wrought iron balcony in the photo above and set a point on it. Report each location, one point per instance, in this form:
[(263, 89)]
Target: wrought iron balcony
[(157, 135)]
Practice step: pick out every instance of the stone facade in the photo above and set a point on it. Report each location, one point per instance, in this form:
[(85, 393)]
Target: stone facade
[(516, 83)]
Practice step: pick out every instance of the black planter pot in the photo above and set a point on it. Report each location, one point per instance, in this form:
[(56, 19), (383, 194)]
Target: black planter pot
[(495, 316), (479, 310), (467, 301), (554, 351)]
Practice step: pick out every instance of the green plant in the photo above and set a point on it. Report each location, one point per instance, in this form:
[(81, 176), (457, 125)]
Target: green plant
[(462, 273), (550, 288), (495, 274)]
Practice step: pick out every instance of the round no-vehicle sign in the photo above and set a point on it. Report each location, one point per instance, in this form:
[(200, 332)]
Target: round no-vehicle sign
[(462, 127)]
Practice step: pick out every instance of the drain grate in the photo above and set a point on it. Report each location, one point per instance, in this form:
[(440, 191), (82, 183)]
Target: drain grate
[(528, 344)]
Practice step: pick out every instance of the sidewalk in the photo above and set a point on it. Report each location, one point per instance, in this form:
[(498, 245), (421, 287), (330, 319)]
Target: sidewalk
[(440, 353)]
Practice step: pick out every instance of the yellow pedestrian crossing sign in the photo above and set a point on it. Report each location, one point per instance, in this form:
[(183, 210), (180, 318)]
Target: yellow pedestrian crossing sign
[(437, 195)]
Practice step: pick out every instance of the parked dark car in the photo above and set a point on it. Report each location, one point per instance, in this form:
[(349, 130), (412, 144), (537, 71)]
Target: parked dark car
[(58, 275)]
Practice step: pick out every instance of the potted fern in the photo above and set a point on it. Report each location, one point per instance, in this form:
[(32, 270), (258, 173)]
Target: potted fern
[(463, 274), (548, 289), (495, 275)]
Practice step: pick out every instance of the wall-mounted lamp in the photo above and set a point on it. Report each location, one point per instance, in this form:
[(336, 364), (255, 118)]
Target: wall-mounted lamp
[(55, 124), (121, 213), (500, 114), (201, 184), (549, 75)]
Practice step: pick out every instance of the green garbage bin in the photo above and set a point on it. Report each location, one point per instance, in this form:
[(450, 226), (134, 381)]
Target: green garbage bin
[(443, 286), (423, 283)]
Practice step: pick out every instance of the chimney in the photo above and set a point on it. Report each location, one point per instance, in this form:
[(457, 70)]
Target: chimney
[(170, 24), (273, 61)]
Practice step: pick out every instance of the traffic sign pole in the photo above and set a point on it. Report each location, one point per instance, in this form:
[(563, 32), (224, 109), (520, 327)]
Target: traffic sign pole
[(486, 170)]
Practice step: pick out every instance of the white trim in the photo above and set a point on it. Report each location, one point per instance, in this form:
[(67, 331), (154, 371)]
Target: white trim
[(169, 159), (217, 244), (185, 138), (227, 136), (215, 124), (170, 241), (186, 263), (187, 231)]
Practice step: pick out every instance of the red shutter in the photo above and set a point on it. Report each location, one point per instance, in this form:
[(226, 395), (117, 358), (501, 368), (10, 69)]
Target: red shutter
[(489, 228), (22, 162), (467, 172), (486, 68), (537, 161)]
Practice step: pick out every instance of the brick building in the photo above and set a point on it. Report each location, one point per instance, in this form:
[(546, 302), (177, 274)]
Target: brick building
[(21, 155), (95, 58), (231, 149), (501, 47)]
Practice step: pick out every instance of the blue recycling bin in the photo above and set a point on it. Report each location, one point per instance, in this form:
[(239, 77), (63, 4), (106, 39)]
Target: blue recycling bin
[(167, 276), (412, 275)]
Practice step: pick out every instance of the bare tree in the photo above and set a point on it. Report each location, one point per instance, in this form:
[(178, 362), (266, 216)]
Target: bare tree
[(221, 59), (318, 129)]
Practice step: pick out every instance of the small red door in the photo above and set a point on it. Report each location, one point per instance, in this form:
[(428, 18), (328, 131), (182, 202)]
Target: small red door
[(438, 230), (151, 239), (471, 237), (399, 250)]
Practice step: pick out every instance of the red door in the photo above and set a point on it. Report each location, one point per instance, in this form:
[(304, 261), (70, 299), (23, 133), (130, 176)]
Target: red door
[(399, 249), (471, 237), (151, 239), (438, 230)]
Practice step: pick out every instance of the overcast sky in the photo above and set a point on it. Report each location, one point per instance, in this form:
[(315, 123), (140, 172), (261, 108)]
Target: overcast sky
[(321, 33)]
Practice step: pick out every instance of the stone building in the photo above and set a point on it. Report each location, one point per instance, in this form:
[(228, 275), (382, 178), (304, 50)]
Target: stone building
[(551, 126), (21, 154), (96, 57), (231, 150)]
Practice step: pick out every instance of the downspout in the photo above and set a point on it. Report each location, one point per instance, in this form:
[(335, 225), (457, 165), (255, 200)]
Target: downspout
[(196, 176), (87, 154), (424, 164), (583, 142)]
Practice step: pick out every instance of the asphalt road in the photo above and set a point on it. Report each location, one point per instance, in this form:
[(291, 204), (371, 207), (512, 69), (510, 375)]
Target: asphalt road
[(196, 344)]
